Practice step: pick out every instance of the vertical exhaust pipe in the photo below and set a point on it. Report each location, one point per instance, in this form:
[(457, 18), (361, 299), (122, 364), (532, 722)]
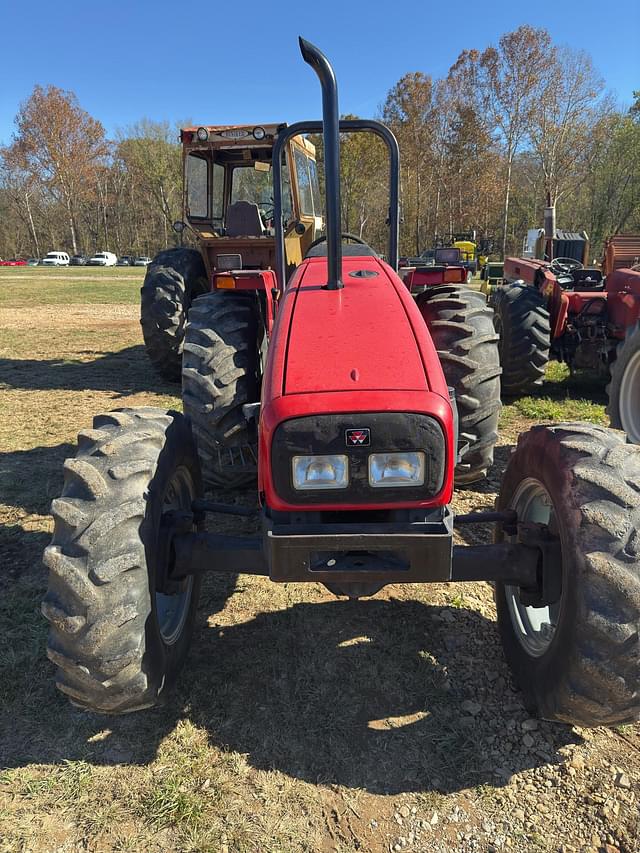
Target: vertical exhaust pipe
[(331, 139)]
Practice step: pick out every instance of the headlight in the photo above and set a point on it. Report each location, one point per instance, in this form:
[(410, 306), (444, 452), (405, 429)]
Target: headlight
[(320, 472), (259, 133), (396, 469), (202, 133)]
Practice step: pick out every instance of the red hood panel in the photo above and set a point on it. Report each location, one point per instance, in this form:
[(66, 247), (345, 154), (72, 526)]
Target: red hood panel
[(329, 347)]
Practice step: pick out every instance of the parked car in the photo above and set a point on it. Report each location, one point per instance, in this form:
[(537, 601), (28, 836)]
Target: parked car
[(125, 261), (102, 259), (55, 259), (142, 261), (14, 262), (78, 260), (33, 262)]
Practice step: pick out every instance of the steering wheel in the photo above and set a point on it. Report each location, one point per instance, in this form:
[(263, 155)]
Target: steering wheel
[(344, 234), (566, 265), (266, 209)]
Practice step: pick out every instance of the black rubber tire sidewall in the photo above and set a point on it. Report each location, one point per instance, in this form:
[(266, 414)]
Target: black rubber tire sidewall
[(177, 276), (590, 672), (538, 676), (166, 661), (625, 351)]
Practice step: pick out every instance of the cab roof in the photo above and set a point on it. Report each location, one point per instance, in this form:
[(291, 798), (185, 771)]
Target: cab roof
[(240, 135)]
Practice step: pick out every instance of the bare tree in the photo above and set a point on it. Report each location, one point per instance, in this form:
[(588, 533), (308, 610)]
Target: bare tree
[(409, 109), (510, 77), (569, 115), (58, 144)]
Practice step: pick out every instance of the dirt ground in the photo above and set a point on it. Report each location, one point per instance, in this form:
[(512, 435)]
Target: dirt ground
[(302, 722)]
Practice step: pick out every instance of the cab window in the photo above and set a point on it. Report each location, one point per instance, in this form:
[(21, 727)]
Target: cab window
[(315, 188), (197, 175), (217, 191), (250, 184), (287, 207), (304, 182)]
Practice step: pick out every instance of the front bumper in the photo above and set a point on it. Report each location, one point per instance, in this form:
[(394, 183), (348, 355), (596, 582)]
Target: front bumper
[(383, 553)]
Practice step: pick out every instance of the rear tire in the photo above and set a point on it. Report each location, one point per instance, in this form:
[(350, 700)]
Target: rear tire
[(624, 389), (119, 642), (461, 326), (578, 660), (219, 376), (173, 280), (522, 322)]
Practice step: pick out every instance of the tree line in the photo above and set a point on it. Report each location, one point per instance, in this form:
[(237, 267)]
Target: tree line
[(511, 128)]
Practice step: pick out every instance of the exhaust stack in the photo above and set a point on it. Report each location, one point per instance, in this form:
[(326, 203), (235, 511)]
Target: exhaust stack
[(331, 139)]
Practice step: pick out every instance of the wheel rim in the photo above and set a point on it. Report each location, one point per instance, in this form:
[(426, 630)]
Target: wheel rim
[(534, 627), (629, 406), (172, 610)]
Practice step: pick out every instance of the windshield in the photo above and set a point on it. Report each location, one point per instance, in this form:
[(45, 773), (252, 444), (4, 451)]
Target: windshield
[(249, 184)]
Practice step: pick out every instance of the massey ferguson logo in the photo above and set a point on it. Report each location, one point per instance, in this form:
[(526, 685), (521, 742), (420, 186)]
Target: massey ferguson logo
[(358, 437)]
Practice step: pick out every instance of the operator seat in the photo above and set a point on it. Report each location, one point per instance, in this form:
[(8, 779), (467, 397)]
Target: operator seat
[(243, 220)]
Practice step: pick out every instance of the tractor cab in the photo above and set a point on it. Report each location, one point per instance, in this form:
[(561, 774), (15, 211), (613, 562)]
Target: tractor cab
[(228, 195)]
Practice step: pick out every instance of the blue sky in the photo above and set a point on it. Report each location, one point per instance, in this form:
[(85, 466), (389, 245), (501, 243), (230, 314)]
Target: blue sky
[(217, 62)]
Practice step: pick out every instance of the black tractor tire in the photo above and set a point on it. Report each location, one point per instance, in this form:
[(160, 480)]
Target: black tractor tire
[(173, 279), (522, 322), (106, 616), (587, 670), (624, 389), (220, 374), (461, 326)]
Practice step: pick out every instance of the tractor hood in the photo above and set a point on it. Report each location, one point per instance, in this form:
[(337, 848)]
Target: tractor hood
[(367, 336)]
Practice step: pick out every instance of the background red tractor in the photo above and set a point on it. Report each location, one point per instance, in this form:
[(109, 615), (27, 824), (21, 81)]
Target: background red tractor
[(357, 447), (561, 310)]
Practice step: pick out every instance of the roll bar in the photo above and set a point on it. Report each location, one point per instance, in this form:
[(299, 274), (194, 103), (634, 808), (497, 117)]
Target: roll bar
[(331, 127)]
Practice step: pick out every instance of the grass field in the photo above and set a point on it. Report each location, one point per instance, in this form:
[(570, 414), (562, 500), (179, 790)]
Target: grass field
[(302, 722)]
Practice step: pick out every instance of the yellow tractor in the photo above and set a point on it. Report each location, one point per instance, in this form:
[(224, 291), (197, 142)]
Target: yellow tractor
[(228, 207)]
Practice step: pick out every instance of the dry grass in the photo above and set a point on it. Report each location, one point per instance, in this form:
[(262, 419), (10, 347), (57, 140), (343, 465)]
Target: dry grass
[(299, 718)]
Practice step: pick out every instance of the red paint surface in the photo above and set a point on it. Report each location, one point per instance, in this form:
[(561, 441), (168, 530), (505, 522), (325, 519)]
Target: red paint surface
[(430, 276), (623, 287), (365, 327), (321, 337)]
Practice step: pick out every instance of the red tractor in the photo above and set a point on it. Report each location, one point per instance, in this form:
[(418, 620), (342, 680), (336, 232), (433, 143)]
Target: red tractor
[(561, 310), (357, 447)]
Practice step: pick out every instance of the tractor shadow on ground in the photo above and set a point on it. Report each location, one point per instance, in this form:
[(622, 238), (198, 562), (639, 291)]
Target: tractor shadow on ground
[(30, 479), (124, 372), (386, 696)]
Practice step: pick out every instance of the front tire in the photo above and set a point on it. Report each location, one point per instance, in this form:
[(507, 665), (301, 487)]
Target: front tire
[(219, 376), (118, 640), (577, 658), (461, 326), (522, 321), (624, 389), (173, 279)]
